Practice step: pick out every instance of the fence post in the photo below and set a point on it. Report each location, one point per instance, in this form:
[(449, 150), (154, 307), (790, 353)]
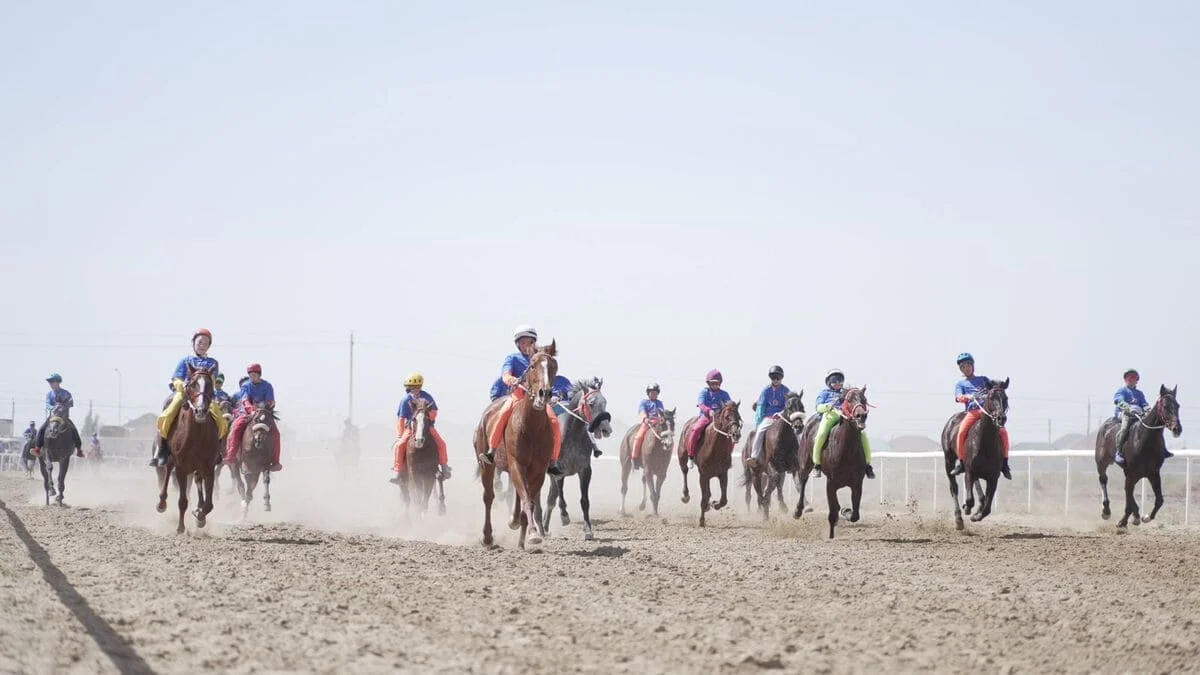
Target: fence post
[(881, 480), (1067, 497), (1142, 500), (1187, 490), (1029, 485), (906, 493), (935, 483)]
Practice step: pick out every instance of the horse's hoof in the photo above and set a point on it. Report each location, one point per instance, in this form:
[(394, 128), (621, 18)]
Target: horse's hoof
[(535, 539), (854, 517), (958, 523), (686, 498), (714, 506), (641, 507), (566, 520), (977, 517), (846, 513), (441, 509), (52, 492), (588, 536), (267, 508), (514, 525), (160, 507), (1105, 514)]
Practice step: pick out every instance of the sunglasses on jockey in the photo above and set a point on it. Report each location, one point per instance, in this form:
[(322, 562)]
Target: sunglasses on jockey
[(837, 379)]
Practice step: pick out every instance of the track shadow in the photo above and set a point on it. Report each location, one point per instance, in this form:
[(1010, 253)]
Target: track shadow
[(600, 552), (293, 541), (902, 540), (122, 655)]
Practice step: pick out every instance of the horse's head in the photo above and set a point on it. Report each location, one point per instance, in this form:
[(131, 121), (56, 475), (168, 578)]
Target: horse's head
[(199, 392), (666, 427), (262, 421), (58, 420), (728, 420), (995, 401), (539, 379), (793, 408), (226, 406), (1168, 409), (855, 406), (589, 403), (421, 420)]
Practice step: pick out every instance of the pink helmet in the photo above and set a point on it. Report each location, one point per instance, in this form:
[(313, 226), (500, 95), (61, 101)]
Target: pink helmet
[(714, 375)]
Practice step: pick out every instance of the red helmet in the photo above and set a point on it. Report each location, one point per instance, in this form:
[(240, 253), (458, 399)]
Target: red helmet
[(714, 375), (202, 331), (254, 368)]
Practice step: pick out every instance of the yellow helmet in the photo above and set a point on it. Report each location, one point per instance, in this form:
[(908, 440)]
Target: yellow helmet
[(415, 380)]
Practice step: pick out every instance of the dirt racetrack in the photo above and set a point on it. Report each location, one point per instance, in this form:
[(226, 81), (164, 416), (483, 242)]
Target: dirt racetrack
[(337, 580)]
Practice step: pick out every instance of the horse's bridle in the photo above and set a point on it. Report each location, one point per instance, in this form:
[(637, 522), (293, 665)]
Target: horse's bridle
[(982, 397), (850, 412), (719, 430)]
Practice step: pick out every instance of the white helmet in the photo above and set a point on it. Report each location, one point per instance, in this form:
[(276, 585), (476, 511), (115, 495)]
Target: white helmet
[(524, 331), (831, 373)]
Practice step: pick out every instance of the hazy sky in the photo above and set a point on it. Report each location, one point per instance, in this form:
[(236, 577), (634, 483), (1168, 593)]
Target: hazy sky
[(663, 187)]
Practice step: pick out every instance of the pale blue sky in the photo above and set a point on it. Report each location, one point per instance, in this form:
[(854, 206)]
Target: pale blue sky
[(664, 187)]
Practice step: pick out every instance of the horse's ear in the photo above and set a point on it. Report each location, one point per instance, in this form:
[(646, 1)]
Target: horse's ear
[(672, 411), (1162, 390), (801, 394), (1174, 389), (599, 382), (738, 404), (552, 348), (754, 406), (864, 390), (1004, 384)]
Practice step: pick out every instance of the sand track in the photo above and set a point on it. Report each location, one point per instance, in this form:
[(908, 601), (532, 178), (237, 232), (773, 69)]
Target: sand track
[(336, 580)]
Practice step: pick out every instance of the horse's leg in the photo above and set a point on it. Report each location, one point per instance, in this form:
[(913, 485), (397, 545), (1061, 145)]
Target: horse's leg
[(585, 503), (625, 469), (855, 499), (748, 479), (488, 478), (267, 491), (705, 494), (523, 515), (834, 507), (958, 515), (1102, 469), (757, 477), (656, 490), (200, 513), (1131, 506), (1156, 485), (182, 480), (801, 484), (515, 523), (551, 498), (441, 486), (562, 502), (63, 467), (164, 476), (45, 475), (778, 478), (723, 481), (985, 500), (683, 466)]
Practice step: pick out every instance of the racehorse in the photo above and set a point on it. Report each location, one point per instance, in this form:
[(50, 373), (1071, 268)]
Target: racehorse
[(527, 449), (254, 457), (781, 454), (194, 442), (984, 454), (59, 444), (714, 455), (586, 417), (28, 461), (1144, 448), (657, 448), (226, 406), (421, 466), (842, 459)]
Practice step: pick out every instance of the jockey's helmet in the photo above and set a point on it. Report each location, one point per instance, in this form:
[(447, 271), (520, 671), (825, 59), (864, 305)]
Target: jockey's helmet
[(54, 377), (653, 386), (254, 368), (202, 331), (414, 380), (219, 379), (1130, 371), (714, 375), (965, 357), (775, 371), (524, 331), (833, 374)]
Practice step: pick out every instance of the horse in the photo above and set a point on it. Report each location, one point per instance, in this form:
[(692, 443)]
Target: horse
[(59, 443), (226, 406), (714, 455), (254, 457), (526, 451), (1144, 448), (657, 448), (842, 459), (28, 461), (422, 470), (193, 440), (781, 454), (984, 454), (586, 417)]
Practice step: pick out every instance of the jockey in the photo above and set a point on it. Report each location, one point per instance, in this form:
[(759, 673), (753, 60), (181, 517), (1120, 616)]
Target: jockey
[(829, 407), (220, 394), (57, 396), (965, 392), (770, 404), (199, 358), (405, 416), (514, 368), (236, 397), (1131, 406), (560, 394), (254, 394), (95, 442), (650, 410), (31, 431), (710, 401)]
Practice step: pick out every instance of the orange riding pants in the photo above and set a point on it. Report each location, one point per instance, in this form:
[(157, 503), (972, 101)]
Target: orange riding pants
[(965, 427), (505, 412), (637, 441), (401, 460)]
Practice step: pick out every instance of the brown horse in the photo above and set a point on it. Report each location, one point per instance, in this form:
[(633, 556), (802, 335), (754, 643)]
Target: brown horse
[(226, 406), (657, 448), (984, 454), (842, 459), (194, 443), (422, 471), (781, 454), (1144, 448), (527, 449), (254, 457), (714, 455)]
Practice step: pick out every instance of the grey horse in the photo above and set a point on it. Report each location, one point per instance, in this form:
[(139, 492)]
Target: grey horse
[(586, 417)]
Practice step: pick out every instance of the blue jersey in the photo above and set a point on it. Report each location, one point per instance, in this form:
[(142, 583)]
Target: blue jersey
[(1130, 395), (831, 397), (770, 402), (711, 401), (408, 411), (561, 388), (515, 364), (652, 409), (499, 390), (62, 396), (256, 394), (970, 386), (196, 363), (220, 395)]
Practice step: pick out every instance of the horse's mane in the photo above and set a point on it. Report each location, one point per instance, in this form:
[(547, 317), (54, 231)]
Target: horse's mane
[(586, 383)]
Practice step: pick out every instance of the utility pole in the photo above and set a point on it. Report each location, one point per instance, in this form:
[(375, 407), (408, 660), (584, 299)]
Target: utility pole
[(120, 419), (1089, 422), (350, 405), (1050, 433)]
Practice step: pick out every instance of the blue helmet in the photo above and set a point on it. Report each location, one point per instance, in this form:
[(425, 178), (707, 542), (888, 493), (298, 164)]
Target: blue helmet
[(54, 377), (964, 357)]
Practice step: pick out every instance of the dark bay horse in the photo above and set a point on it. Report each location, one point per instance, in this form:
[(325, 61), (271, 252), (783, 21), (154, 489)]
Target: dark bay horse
[(842, 459), (421, 465), (714, 455), (984, 454), (1143, 453), (527, 449), (60, 442), (657, 448), (28, 461), (194, 442), (586, 418), (226, 406), (254, 457), (781, 455)]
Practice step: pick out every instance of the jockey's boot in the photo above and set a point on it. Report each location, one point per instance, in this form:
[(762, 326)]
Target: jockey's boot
[(870, 472), (637, 464), (959, 467), (79, 452), (396, 480), (817, 470), (488, 457), (1167, 454), (1005, 470), (596, 451), (1119, 458), (35, 452), (553, 469), (275, 467), (163, 455), (691, 462)]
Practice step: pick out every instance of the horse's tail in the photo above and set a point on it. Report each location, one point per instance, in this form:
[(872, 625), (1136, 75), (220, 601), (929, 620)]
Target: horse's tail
[(746, 476)]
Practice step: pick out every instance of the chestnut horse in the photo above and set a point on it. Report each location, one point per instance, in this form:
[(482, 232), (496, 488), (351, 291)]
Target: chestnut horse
[(1143, 453), (984, 454), (194, 443), (714, 455), (421, 465), (527, 450), (657, 448)]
